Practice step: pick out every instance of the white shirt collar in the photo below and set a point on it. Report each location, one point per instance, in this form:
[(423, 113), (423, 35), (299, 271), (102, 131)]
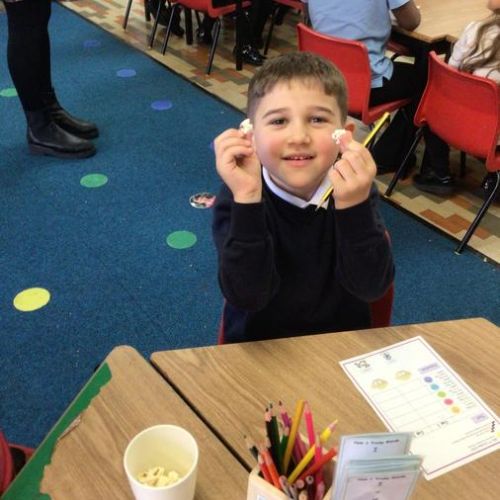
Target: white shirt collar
[(295, 200)]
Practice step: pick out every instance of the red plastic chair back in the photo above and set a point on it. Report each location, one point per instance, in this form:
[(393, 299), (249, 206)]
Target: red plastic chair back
[(463, 110), (351, 58), (6, 464), (381, 309), (207, 7), (294, 4)]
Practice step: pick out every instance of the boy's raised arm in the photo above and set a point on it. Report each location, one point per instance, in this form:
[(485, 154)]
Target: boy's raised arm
[(246, 260)]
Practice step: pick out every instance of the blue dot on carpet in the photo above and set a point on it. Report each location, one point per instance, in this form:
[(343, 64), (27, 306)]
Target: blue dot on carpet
[(126, 73), (161, 105)]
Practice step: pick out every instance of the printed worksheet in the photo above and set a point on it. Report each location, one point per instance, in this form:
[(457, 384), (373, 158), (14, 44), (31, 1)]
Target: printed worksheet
[(412, 389)]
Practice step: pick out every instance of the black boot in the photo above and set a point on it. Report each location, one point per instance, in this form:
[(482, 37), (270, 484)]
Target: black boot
[(69, 123), (46, 137)]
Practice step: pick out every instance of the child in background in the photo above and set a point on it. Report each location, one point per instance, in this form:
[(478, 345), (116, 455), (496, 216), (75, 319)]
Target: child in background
[(286, 268), (477, 51)]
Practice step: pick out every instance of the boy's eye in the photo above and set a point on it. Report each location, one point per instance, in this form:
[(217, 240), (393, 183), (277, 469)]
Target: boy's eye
[(278, 121), (318, 119)]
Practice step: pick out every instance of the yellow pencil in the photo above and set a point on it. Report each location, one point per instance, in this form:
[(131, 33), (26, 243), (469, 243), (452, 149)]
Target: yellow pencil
[(323, 438), (366, 143), (299, 408)]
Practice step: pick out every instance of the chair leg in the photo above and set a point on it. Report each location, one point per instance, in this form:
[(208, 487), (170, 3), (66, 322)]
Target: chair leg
[(127, 14), (198, 18), (169, 27), (214, 45), (463, 159), (155, 24), (271, 28), (484, 208), (399, 173), (188, 23), (147, 11)]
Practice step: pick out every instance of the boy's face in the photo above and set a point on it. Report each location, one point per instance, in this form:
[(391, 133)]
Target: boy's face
[(292, 134), (493, 4)]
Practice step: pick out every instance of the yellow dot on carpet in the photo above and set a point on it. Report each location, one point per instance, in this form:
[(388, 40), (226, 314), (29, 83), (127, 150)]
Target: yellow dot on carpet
[(31, 299)]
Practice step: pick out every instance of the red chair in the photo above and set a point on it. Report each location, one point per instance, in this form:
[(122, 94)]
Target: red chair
[(351, 57), (294, 4), (205, 7), (8, 466), (464, 111)]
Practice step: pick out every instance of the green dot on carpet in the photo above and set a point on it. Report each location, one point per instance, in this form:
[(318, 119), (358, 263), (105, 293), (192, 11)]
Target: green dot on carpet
[(93, 180), (181, 239), (8, 92)]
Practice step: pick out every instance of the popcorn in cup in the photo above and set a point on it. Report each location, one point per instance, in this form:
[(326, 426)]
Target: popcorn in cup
[(161, 463)]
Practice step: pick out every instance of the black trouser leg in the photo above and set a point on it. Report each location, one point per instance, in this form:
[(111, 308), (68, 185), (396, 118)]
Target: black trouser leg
[(28, 50), (436, 155)]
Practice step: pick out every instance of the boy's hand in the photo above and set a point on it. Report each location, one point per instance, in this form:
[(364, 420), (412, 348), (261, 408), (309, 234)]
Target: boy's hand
[(238, 165), (352, 176)]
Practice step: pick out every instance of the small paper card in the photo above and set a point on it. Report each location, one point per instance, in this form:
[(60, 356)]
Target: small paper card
[(375, 465), (412, 389)]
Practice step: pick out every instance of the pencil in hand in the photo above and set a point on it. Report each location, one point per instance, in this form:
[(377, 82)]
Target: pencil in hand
[(368, 139)]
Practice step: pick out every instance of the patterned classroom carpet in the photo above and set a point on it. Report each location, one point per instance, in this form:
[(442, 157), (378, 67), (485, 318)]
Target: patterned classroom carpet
[(452, 214)]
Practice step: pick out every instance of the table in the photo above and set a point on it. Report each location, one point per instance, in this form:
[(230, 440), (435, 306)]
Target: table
[(444, 20), (231, 384), (124, 396)]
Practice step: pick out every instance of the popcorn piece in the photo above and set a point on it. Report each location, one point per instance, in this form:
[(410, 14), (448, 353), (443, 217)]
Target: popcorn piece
[(157, 477), (246, 126), (337, 134)]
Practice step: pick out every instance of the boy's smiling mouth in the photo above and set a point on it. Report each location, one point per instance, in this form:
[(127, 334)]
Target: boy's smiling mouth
[(298, 157)]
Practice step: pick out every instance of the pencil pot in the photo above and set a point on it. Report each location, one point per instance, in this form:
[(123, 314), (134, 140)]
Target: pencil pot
[(262, 489)]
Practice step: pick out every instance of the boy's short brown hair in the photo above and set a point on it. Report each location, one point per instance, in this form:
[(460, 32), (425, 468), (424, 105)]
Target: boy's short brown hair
[(297, 66)]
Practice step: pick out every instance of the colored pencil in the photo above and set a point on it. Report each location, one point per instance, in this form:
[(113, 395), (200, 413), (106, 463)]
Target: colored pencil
[(366, 143), (309, 424), (317, 465), (275, 440), (284, 441), (271, 467), (284, 414), (263, 469), (324, 436), (318, 453), (320, 491), (299, 408)]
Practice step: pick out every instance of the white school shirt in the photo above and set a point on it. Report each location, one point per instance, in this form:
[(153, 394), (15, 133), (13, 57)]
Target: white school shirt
[(295, 200)]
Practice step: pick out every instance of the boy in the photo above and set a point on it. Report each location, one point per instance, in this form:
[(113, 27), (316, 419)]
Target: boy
[(286, 268)]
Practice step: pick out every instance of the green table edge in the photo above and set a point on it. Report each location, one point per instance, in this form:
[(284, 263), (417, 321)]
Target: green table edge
[(27, 483)]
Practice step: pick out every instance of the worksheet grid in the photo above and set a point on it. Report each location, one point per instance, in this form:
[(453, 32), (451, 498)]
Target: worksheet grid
[(412, 406)]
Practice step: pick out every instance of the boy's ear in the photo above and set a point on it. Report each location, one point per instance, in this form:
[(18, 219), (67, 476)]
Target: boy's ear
[(351, 126)]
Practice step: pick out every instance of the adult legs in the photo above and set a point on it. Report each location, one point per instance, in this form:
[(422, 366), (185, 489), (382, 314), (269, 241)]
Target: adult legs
[(28, 50), (28, 58)]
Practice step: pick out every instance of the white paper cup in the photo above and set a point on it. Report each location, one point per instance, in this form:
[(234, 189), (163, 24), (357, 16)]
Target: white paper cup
[(167, 446)]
